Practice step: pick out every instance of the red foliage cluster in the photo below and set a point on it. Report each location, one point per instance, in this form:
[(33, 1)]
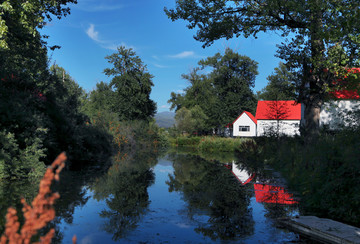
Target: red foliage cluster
[(39, 214), (119, 139), (39, 95), (8, 78), (120, 157)]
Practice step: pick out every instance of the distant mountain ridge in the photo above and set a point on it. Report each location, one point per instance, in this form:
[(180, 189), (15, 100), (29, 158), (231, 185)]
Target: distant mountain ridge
[(165, 119)]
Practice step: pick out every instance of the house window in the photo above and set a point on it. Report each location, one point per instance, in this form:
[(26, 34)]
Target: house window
[(244, 128)]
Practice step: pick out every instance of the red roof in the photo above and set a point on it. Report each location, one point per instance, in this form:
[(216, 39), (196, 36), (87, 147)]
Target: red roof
[(345, 93), (248, 114), (278, 110)]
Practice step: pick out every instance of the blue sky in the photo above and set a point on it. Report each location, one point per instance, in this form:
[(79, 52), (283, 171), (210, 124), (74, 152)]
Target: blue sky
[(95, 28)]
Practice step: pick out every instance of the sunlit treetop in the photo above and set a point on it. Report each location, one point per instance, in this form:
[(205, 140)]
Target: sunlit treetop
[(29, 14)]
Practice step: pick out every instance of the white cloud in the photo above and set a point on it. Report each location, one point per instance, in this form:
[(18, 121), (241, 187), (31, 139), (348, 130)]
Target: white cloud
[(97, 6), (92, 33), (155, 57), (164, 106), (160, 66), (185, 54)]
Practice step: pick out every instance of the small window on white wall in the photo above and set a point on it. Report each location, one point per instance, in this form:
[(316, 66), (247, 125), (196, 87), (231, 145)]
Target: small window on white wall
[(244, 128)]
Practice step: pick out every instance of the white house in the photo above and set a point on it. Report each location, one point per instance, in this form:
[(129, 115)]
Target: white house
[(245, 125), (339, 112), (279, 118)]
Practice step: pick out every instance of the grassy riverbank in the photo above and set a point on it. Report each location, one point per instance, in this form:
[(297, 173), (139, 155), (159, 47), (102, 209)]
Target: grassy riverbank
[(325, 172), (208, 143)]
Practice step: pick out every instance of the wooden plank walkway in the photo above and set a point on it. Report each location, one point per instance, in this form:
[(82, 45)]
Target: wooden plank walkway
[(324, 230)]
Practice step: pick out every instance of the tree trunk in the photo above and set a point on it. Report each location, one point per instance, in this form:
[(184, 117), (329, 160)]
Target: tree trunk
[(315, 80), (312, 118)]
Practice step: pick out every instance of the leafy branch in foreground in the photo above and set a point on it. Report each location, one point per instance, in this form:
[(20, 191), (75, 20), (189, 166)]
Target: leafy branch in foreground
[(39, 214)]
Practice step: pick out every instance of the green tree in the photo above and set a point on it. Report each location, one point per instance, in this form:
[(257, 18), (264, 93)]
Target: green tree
[(100, 99), (183, 120), (233, 76), (324, 38), (223, 93), (280, 86), (131, 84), (200, 93), (28, 16), (191, 120), (23, 50)]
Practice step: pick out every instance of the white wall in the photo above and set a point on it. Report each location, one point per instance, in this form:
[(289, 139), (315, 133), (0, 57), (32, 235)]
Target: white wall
[(338, 113), (270, 127), (244, 120)]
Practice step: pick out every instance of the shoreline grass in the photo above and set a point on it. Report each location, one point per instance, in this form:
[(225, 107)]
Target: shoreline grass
[(208, 143)]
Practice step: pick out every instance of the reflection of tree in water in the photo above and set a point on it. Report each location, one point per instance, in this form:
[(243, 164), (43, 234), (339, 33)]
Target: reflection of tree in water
[(124, 188), (276, 200), (72, 194), (10, 194), (275, 211), (209, 188)]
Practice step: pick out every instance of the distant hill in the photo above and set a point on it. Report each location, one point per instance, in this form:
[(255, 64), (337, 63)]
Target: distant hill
[(165, 119)]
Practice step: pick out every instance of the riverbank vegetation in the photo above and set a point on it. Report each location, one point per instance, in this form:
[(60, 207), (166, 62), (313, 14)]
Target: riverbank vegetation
[(325, 172), (210, 144)]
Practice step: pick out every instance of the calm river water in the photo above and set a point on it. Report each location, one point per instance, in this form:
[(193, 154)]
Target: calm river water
[(172, 198)]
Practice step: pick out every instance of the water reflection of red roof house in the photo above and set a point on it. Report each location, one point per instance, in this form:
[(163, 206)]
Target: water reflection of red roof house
[(273, 194), (263, 192), (241, 175)]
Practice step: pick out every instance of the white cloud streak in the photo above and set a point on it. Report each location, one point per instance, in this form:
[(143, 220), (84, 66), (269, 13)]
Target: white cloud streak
[(185, 54), (160, 66), (94, 35), (164, 106), (98, 6)]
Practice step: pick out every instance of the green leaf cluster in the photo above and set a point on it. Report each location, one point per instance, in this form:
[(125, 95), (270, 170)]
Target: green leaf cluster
[(190, 120), (17, 163), (280, 86), (221, 94), (130, 87)]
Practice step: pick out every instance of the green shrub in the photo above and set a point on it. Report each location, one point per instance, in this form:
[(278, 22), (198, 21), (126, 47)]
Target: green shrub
[(18, 163), (187, 141), (208, 143), (219, 144)]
